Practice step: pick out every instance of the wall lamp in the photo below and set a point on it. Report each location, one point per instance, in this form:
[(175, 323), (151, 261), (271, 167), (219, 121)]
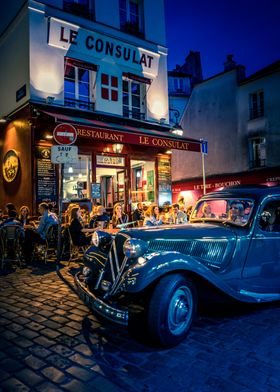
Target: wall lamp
[(176, 129), (4, 119), (117, 148)]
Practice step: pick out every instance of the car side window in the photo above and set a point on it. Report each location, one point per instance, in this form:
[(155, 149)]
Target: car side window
[(270, 217)]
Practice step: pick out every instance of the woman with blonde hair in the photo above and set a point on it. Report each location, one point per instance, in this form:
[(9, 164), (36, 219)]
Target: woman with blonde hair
[(119, 217), (152, 217), (24, 217)]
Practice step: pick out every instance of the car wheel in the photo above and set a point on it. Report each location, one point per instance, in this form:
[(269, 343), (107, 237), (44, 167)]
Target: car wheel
[(171, 310)]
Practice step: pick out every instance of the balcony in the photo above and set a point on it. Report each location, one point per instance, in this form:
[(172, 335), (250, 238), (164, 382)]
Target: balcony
[(137, 115), (79, 104), (256, 113)]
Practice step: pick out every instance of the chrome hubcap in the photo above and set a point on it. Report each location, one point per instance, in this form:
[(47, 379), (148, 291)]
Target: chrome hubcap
[(180, 310)]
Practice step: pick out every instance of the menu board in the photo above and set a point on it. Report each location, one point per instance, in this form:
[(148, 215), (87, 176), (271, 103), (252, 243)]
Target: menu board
[(164, 180), (46, 179)]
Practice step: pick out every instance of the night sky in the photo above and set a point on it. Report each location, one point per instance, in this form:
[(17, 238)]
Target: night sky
[(248, 29)]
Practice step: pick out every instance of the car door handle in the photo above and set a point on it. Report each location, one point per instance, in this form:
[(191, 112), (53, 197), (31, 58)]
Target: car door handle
[(259, 236)]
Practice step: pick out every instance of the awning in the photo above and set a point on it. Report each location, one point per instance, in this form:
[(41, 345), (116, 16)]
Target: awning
[(125, 134)]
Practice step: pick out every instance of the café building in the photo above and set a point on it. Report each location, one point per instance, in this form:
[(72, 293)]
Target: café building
[(109, 85)]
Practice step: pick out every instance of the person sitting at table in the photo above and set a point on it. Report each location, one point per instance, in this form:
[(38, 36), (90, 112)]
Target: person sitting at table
[(178, 216), (24, 217), (119, 217), (1, 216), (152, 217), (37, 235), (138, 214), (79, 234), (206, 211), (236, 213), (100, 218), (13, 221)]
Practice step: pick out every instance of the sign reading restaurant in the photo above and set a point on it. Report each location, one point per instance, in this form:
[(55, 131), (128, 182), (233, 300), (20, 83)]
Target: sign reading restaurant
[(139, 139), (68, 36)]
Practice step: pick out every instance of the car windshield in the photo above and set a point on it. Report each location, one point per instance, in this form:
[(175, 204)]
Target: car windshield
[(235, 211)]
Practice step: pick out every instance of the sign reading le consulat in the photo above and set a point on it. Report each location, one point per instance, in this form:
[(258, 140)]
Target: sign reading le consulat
[(138, 139)]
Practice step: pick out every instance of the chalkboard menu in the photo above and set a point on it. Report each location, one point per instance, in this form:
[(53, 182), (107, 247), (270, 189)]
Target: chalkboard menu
[(46, 179)]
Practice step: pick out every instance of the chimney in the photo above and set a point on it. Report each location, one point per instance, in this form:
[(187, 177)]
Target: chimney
[(229, 64)]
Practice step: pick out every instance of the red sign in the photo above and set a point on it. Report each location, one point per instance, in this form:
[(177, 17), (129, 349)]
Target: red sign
[(65, 134), (145, 140)]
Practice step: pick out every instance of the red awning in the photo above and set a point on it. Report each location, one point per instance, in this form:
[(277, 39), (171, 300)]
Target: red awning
[(117, 133)]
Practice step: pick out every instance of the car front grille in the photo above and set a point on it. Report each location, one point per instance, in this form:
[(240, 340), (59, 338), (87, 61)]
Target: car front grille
[(116, 261), (210, 251)]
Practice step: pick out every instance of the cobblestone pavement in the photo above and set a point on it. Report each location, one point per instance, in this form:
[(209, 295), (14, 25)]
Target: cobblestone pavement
[(50, 341)]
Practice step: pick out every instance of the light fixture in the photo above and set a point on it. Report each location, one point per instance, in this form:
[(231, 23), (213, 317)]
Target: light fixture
[(48, 136), (70, 169), (168, 152), (71, 178), (117, 148), (176, 129), (4, 119)]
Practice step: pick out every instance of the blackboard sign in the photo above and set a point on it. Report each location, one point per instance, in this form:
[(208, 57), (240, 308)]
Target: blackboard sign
[(46, 179)]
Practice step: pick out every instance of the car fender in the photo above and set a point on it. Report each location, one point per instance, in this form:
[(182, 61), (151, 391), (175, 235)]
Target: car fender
[(139, 277)]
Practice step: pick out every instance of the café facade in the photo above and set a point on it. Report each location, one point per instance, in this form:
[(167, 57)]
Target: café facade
[(110, 87)]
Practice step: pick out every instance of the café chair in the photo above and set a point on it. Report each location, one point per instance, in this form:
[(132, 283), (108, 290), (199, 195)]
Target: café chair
[(70, 251), (48, 250), (10, 245)]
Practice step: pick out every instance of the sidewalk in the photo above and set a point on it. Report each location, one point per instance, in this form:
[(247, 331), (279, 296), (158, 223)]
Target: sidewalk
[(50, 341)]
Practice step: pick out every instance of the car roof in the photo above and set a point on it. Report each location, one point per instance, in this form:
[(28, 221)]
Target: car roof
[(250, 192)]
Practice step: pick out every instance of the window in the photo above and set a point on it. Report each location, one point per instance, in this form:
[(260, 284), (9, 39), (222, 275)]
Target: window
[(256, 105), (133, 99), (142, 182), (79, 84), (77, 179), (131, 16), (81, 8), (109, 87), (257, 152), (178, 84)]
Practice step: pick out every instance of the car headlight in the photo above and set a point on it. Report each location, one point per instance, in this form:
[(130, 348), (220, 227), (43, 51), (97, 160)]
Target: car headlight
[(134, 248), (100, 238)]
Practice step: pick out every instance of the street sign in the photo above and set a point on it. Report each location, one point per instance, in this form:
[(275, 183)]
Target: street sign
[(65, 134), (204, 147), (64, 154)]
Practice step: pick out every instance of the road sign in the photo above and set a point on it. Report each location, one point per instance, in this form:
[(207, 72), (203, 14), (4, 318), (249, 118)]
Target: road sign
[(64, 154), (204, 147), (65, 134)]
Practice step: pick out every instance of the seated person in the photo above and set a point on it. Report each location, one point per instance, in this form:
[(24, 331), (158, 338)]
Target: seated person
[(78, 232), (119, 217), (206, 211), (138, 214), (1, 216), (12, 221), (236, 213), (178, 216), (24, 217), (38, 234), (152, 217), (100, 219)]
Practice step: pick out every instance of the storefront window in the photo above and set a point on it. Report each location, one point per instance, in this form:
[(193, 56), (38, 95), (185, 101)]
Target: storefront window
[(133, 99), (142, 182), (77, 179)]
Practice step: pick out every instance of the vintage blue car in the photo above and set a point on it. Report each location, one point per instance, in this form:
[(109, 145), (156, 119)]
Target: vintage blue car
[(232, 244)]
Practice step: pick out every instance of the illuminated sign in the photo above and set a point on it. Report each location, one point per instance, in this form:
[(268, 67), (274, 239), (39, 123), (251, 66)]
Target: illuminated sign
[(107, 160), (69, 36), (138, 139)]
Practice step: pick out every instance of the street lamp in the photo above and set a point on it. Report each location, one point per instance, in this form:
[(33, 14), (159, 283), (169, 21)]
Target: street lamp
[(176, 129)]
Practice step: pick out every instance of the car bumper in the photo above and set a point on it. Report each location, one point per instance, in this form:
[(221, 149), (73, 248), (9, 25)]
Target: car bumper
[(99, 306)]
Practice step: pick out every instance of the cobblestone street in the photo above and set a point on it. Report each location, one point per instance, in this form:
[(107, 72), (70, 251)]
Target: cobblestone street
[(50, 341)]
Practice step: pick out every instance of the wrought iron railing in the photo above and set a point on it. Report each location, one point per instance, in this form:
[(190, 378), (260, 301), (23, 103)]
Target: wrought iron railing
[(76, 103)]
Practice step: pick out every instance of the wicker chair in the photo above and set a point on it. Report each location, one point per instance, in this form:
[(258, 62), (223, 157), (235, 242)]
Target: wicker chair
[(11, 237), (48, 250)]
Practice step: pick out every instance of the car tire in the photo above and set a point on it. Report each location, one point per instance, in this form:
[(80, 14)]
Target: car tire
[(171, 310)]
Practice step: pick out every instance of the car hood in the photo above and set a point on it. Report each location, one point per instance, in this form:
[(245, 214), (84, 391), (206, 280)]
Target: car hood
[(183, 231), (210, 244)]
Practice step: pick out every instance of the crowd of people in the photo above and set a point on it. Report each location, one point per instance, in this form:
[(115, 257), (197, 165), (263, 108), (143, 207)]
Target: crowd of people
[(82, 223)]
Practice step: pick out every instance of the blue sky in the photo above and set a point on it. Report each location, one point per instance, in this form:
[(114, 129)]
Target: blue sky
[(248, 29)]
